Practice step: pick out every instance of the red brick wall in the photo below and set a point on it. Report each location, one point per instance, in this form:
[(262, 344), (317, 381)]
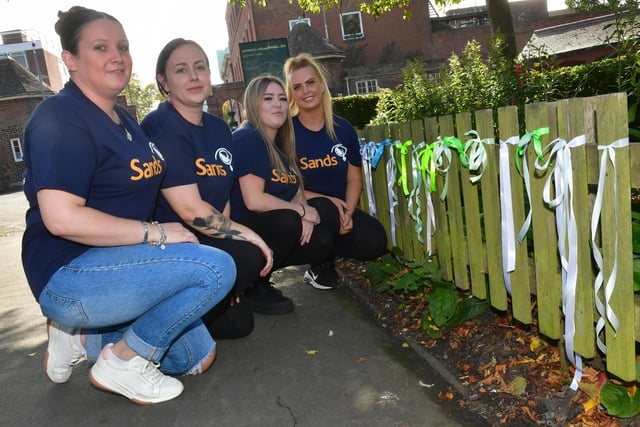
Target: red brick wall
[(14, 115)]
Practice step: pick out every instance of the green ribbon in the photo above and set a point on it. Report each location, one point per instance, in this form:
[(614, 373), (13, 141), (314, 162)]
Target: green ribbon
[(427, 165), (537, 146), (402, 180), (456, 144)]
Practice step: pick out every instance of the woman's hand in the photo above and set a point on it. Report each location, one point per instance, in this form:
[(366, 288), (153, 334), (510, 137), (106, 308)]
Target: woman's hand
[(174, 232), (268, 255), (307, 231), (346, 223), (311, 214)]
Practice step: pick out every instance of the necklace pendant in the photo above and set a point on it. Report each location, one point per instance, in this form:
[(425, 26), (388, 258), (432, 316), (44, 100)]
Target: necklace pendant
[(128, 134)]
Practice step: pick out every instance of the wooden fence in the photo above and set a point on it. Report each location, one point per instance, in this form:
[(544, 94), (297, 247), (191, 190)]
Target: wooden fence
[(573, 160)]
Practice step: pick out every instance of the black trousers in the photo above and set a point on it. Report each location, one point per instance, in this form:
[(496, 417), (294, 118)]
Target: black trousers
[(365, 242), (230, 318)]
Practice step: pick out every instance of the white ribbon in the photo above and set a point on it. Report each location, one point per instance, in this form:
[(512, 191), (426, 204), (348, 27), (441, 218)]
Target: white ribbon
[(393, 198), (442, 160), (368, 152), (415, 192), (604, 309), (561, 176), (477, 155), (506, 213)]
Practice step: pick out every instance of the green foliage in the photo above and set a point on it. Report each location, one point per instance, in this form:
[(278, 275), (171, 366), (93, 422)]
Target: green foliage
[(618, 401), (144, 98), (471, 82), (357, 109), (446, 307), (375, 8)]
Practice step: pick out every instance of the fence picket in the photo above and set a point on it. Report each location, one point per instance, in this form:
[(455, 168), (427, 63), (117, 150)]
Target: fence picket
[(471, 200), (454, 208)]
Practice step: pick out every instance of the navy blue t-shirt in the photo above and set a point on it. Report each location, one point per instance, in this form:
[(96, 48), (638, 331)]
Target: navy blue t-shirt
[(324, 162), (72, 145), (195, 155), (251, 156)]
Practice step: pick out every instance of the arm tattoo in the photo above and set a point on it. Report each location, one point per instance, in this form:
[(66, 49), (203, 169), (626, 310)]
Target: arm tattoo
[(217, 225)]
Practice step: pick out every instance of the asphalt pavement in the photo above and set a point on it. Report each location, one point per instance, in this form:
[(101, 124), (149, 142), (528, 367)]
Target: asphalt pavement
[(326, 364)]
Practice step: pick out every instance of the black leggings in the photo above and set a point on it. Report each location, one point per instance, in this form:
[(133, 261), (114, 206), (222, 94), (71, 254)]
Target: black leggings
[(281, 230), (366, 241), (234, 321)]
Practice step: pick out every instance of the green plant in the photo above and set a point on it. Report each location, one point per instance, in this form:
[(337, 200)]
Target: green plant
[(357, 109), (446, 305), (620, 401)]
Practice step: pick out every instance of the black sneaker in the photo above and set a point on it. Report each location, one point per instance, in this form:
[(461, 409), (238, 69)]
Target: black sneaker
[(263, 298), (322, 276)]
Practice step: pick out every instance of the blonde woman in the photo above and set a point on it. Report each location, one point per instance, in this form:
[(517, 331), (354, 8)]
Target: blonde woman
[(329, 158)]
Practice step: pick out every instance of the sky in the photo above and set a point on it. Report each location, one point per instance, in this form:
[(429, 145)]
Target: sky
[(149, 25)]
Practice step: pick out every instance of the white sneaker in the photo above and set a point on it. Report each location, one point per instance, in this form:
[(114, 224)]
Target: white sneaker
[(62, 353), (140, 380)]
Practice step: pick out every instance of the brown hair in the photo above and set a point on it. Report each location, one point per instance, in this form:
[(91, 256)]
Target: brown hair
[(70, 25), (165, 53)]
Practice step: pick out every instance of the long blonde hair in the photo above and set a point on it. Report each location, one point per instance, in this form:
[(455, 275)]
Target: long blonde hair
[(285, 138), (305, 60)]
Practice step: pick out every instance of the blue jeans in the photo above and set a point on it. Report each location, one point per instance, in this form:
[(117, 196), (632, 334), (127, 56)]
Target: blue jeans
[(150, 297)]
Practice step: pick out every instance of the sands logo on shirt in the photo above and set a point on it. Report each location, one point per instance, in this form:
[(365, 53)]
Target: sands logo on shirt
[(338, 151), (209, 169), (146, 170), (283, 178)]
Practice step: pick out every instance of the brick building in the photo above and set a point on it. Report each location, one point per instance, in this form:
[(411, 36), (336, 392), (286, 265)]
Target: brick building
[(35, 54), (375, 50), (20, 93)]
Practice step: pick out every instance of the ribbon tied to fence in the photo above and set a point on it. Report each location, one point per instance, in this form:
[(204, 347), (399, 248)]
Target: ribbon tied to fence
[(604, 308), (506, 212), (369, 151), (561, 176), (391, 171), (521, 152), (476, 155)]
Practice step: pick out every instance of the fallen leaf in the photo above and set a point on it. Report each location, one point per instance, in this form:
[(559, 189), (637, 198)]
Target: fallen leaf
[(312, 352), (589, 405), (518, 386), (405, 345), (535, 344)]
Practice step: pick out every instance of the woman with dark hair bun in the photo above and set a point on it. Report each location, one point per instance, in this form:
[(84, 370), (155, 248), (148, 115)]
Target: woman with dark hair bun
[(117, 287)]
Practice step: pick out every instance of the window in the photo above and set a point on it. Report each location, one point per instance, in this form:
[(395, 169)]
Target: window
[(17, 149), (21, 59), (293, 22), (351, 26), (366, 86)]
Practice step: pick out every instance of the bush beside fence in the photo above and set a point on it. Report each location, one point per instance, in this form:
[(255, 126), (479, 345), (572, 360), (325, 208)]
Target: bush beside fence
[(459, 190)]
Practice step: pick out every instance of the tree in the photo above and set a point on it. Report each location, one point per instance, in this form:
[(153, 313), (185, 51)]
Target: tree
[(144, 98), (499, 13)]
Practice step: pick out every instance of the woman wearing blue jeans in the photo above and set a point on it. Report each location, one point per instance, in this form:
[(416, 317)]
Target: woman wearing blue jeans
[(117, 287)]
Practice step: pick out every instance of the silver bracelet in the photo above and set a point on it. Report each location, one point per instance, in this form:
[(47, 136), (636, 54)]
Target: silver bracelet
[(145, 227), (163, 236)]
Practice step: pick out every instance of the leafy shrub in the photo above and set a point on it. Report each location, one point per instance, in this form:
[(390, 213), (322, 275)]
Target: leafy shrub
[(357, 109), (446, 307)]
